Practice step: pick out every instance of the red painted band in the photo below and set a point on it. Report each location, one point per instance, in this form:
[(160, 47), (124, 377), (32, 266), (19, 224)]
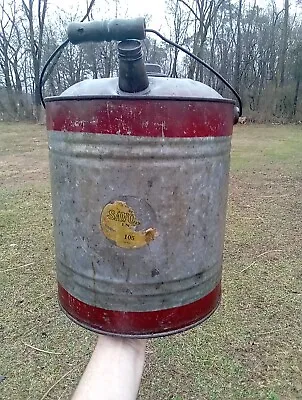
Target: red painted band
[(139, 323), (151, 118)]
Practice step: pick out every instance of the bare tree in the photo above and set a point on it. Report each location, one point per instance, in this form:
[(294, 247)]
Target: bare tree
[(178, 31), (238, 49), (12, 63), (283, 48), (297, 72), (256, 48), (202, 11), (35, 38)]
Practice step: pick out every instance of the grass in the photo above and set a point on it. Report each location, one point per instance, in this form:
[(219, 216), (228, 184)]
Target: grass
[(266, 147), (249, 349)]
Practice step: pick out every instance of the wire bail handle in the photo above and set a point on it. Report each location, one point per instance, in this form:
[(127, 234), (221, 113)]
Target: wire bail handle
[(120, 30)]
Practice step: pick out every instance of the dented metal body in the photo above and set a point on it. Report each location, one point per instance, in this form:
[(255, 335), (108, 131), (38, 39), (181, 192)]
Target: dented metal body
[(123, 166)]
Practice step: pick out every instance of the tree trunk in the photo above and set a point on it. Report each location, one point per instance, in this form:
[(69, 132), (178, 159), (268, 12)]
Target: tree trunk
[(296, 97), (36, 47), (238, 49), (174, 64), (284, 42)]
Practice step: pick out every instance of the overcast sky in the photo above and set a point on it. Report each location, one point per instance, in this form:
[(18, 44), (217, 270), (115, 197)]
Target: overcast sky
[(134, 8)]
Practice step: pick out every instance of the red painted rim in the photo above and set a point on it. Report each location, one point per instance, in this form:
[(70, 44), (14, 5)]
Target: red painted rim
[(142, 324), (148, 118)]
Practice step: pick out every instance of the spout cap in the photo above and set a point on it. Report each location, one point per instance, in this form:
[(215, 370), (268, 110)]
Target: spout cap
[(132, 73)]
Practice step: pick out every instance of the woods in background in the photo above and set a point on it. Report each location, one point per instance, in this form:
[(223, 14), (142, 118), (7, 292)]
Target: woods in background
[(256, 48)]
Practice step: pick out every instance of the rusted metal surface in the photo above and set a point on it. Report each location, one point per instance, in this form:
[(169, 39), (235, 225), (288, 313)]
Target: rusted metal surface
[(170, 118), (139, 187), (177, 186), (159, 87), (147, 324)]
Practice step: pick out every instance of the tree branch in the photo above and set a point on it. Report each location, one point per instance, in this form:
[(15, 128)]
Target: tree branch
[(190, 8)]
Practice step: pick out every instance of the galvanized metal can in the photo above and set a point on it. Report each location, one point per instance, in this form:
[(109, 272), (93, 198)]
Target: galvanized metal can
[(139, 191)]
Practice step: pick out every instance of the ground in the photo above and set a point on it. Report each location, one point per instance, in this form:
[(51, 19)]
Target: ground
[(249, 349)]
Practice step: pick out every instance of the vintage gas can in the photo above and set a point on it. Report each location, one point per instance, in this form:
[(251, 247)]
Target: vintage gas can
[(139, 188)]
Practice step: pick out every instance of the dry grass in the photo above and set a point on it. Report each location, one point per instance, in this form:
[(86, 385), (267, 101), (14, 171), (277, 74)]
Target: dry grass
[(249, 349)]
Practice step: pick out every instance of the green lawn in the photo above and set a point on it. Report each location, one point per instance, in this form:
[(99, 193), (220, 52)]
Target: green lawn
[(249, 349)]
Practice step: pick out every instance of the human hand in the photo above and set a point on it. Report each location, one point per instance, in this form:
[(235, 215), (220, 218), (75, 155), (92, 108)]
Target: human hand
[(114, 370)]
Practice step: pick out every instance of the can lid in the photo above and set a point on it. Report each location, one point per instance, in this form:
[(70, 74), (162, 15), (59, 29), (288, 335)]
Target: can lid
[(160, 87), (154, 70)]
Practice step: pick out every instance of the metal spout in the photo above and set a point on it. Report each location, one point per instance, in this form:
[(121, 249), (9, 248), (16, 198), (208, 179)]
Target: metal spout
[(132, 72)]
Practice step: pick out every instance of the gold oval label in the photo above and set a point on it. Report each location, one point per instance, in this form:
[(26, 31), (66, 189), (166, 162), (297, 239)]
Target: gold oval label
[(119, 223)]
